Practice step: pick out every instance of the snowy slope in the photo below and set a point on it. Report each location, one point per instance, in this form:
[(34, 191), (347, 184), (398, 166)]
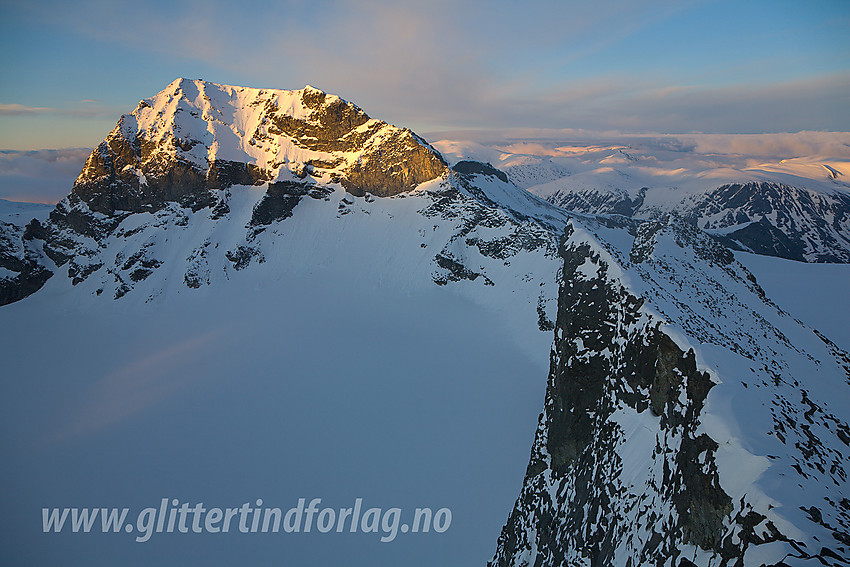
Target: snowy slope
[(360, 348), (813, 293)]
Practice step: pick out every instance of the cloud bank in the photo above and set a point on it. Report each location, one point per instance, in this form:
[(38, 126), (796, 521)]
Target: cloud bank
[(41, 176)]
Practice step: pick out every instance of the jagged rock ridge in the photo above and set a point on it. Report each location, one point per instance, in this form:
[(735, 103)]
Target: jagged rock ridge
[(767, 218), (727, 447)]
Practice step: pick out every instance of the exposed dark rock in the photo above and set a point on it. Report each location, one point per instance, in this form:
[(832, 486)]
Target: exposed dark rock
[(455, 271), (590, 378), (29, 280), (278, 202), (468, 167), (543, 322), (589, 201), (18, 257), (35, 231), (136, 176), (74, 214), (79, 272), (221, 208), (331, 127), (141, 264), (223, 174), (789, 222), (763, 238), (243, 255)]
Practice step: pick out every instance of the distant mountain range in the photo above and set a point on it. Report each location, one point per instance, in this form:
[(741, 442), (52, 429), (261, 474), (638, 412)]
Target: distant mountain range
[(797, 209)]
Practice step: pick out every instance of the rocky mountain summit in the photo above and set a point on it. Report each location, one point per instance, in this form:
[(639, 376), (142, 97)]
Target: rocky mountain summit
[(196, 137), (189, 144)]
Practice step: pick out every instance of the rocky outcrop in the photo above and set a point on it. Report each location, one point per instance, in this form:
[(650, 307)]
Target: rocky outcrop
[(764, 217), (397, 164), (468, 167), (280, 200), (626, 466), (132, 175), (391, 161), (124, 175), (778, 220), (21, 274), (332, 125), (589, 201)]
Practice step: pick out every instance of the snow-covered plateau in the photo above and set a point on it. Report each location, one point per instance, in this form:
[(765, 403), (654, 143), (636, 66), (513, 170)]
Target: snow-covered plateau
[(265, 294)]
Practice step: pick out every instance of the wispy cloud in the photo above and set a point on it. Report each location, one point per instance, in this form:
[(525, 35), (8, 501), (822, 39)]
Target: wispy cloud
[(89, 109), (835, 145), (19, 109), (619, 104), (443, 64)]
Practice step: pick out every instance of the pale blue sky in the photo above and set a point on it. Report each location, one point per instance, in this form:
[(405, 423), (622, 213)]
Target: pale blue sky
[(70, 69)]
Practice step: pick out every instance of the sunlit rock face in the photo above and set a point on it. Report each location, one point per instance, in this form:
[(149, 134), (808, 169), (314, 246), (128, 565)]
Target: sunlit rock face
[(195, 137)]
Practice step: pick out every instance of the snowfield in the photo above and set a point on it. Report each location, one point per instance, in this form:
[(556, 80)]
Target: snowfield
[(335, 368)]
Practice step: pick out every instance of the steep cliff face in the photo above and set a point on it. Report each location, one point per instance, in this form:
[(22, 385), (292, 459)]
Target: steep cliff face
[(21, 273), (652, 449)]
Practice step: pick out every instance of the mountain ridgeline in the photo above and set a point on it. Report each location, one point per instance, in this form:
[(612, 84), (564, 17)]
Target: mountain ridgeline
[(769, 218), (687, 420), (194, 138)]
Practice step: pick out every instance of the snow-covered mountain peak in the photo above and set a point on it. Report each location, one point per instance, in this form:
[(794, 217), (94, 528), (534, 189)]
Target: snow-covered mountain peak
[(227, 122), (203, 136)]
